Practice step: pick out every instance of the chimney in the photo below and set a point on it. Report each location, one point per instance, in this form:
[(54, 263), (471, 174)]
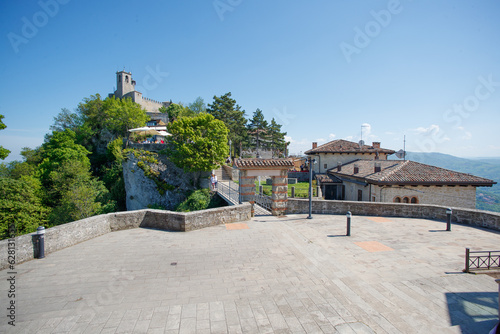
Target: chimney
[(315, 144), (339, 166), (376, 144), (377, 167), (356, 169)]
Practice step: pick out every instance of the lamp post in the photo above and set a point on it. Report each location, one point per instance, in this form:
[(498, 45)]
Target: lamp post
[(311, 162)]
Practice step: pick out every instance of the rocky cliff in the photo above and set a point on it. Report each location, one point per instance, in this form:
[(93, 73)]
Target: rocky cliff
[(157, 181)]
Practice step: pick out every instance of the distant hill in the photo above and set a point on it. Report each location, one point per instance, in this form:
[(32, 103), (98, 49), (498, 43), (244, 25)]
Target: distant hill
[(487, 198)]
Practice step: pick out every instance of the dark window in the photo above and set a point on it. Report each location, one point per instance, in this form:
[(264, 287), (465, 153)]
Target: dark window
[(360, 195), (126, 78), (397, 199), (406, 200), (414, 200)]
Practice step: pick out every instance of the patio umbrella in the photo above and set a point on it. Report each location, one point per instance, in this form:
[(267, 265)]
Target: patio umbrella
[(164, 133), (145, 130)]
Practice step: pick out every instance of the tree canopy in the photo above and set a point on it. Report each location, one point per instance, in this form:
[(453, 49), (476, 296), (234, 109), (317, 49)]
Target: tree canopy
[(3, 151), (224, 108), (258, 129), (198, 143)]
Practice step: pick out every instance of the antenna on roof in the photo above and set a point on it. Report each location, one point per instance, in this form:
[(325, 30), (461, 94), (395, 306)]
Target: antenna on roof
[(361, 143), (401, 154)]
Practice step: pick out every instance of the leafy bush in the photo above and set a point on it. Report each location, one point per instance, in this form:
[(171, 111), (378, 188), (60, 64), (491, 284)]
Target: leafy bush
[(200, 199)]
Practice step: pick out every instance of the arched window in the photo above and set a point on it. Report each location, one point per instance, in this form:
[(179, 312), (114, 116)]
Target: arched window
[(406, 200), (397, 199), (414, 200), (126, 78)]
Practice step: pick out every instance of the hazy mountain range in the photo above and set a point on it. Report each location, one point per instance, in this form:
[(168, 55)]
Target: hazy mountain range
[(487, 198)]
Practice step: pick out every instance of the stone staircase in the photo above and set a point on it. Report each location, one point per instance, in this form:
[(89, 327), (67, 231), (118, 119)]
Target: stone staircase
[(221, 174)]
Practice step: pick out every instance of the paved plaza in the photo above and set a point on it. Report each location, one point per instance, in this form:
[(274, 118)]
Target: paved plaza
[(267, 275)]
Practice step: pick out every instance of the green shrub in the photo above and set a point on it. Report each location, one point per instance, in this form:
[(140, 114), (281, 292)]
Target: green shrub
[(200, 199)]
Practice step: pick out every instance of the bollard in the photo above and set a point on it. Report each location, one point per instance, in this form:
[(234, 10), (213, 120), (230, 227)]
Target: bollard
[(293, 192), (448, 219), (261, 190), (318, 191), (349, 216), (40, 232)]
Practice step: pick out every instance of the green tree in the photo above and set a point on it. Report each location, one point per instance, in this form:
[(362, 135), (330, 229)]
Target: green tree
[(122, 115), (177, 110), (59, 149), (3, 151), (277, 139), (198, 143), (67, 120), (224, 108), (198, 106), (21, 209), (258, 130)]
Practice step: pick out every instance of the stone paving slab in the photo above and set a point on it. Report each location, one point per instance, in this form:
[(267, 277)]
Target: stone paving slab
[(279, 275)]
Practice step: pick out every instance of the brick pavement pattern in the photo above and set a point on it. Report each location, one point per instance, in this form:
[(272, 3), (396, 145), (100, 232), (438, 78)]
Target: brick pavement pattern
[(281, 275)]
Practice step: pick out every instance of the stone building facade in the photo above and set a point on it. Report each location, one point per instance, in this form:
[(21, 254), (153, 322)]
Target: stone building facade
[(363, 173), (342, 151), (125, 88)]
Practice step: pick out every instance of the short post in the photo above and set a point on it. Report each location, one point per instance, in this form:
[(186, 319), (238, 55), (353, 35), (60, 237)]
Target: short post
[(40, 232), (349, 216), (293, 192), (467, 258), (448, 219), (498, 281), (318, 191), (261, 190)]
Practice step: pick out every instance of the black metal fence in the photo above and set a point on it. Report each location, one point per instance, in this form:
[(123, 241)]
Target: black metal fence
[(481, 260)]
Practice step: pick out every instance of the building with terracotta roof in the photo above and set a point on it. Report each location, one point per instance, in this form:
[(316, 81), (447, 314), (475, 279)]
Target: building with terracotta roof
[(363, 173), (341, 151)]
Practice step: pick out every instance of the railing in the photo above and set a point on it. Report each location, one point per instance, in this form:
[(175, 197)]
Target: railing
[(483, 260), (229, 192), (264, 201)]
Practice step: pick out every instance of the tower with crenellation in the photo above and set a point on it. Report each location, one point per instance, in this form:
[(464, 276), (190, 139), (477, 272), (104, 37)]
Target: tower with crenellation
[(125, 88)]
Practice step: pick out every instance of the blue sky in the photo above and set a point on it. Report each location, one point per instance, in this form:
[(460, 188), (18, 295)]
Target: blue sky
[(323, 69)]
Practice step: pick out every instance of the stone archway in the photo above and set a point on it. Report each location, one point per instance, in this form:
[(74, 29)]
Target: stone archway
[(277, 169)]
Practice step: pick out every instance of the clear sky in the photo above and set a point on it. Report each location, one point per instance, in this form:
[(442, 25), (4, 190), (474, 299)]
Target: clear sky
[(429, 70)]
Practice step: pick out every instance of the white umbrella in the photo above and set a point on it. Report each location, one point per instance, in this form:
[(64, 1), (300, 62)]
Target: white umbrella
[(164, 133), (146, 130)]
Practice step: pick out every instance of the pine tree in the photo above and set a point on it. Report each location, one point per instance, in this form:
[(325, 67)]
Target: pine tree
[(258, 129), (224, 108), (277, 139)]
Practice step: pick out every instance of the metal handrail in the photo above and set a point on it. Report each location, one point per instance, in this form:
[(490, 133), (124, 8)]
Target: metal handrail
[(486, 260), (229, 192), (264, 201)]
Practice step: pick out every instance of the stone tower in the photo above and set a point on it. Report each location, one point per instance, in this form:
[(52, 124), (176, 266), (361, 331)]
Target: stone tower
[(124, 84)]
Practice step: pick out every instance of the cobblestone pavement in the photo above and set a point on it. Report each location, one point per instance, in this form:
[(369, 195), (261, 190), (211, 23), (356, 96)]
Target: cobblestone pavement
[(267, 275)]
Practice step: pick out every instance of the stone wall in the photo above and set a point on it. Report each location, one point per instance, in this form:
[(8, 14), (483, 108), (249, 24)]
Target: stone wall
[(300, 176), (464, 197), (332, 159), (473, 217), (142, 191), (62, 236)]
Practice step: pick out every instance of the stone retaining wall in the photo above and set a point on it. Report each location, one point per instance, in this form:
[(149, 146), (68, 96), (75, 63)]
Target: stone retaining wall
[(474, 217), (62, 236), (300, 176)]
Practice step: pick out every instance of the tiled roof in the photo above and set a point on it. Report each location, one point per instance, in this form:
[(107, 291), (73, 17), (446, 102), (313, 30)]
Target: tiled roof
[(263, 163), (345, 146), (327, 178), (407, 172)]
